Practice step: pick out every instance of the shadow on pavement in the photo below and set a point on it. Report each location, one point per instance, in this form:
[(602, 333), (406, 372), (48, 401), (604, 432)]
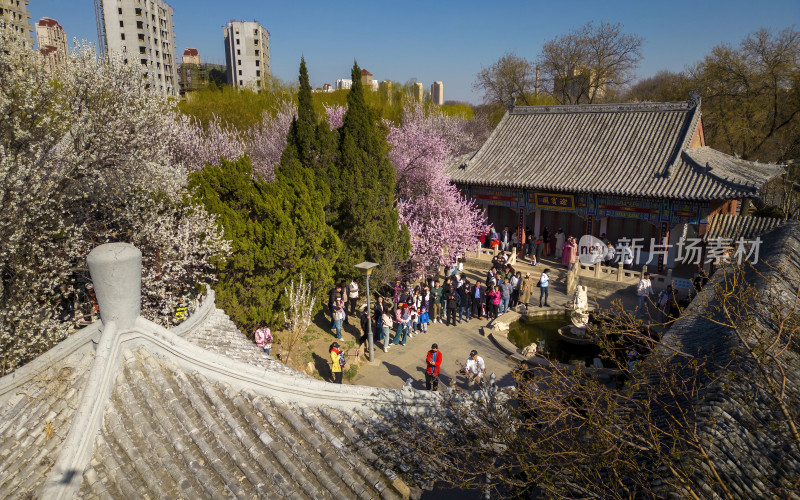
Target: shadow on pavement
[(444, 380), (396, 371), (323, 367)]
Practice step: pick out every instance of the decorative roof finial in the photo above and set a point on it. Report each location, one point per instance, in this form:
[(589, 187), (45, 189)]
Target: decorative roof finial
[(511, 102), (694, 99)]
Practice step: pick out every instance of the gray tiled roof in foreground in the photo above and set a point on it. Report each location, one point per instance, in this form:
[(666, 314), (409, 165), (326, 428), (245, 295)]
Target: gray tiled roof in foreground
[(744, 431), (640, 149), (194, 412)]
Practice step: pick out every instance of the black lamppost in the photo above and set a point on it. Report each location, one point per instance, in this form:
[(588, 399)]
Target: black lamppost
[(366, 270)]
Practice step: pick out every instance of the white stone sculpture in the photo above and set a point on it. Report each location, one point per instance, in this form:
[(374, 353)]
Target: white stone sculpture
[(580, 308)]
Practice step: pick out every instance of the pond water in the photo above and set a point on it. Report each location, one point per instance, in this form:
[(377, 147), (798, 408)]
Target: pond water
[(545, 333)]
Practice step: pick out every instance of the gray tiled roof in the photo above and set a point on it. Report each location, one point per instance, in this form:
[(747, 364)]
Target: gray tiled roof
[(731, 169), (740, 226), (746, 434), (620, 149), (172, 434), (196, 412), (33, 424)]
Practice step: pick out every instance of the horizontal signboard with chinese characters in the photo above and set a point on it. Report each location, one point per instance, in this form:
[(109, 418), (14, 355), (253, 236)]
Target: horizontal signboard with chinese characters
[(552, 201)]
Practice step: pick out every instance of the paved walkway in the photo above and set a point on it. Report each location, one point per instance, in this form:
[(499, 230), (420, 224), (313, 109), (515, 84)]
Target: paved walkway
[(391, 369)]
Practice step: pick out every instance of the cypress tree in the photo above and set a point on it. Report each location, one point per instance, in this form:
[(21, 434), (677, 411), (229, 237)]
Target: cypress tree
[(278, 232), (302, 131), (362, 205), (310, 141)]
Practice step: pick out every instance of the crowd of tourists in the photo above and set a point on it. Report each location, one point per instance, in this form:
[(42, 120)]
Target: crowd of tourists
[(559, 245)]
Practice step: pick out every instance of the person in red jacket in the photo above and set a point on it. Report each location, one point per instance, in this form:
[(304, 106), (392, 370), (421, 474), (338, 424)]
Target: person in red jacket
[(434, 361)]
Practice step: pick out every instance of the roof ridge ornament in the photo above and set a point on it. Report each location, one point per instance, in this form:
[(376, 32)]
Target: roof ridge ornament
[(694, 99), (511, 103)]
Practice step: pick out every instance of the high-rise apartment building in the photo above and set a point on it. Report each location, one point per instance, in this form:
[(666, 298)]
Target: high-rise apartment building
[(417, 91), (344, 84), (142, 32), (52, 43), (437, 93), (247, 54), (15, 16)]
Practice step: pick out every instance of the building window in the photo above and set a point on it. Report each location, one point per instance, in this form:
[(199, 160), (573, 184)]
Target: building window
[(258, 72), (122, 35), (139, 25), (255, 32), (119, 10), (238, 62), (238, 52), (142, 50), (237, 41), (121, 25), (138, 12), (258, 63), (256, 52), (240, 72)]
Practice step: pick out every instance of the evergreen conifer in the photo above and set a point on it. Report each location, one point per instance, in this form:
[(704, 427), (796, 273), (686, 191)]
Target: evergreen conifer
[(362, 200), (278, 232)]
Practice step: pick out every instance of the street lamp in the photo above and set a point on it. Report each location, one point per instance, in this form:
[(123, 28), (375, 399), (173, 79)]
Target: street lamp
[(366, 270)]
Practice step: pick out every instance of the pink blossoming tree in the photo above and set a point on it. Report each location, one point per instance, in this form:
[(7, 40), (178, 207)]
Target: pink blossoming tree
[(335, 115), (443, 224)]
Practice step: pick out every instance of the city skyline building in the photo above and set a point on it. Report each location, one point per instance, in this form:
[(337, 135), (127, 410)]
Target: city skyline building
[(190, 56), (14, 14), (52, 43), (366, 78), (143, 33), (418, 91), (344, 84), (437, 93), (193, 74), (247, 54)]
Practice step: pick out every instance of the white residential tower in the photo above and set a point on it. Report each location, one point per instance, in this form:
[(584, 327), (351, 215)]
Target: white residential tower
[(247, 54)]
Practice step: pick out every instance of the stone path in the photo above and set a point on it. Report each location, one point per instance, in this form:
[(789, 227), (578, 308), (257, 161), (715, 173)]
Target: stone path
[(391, 369)]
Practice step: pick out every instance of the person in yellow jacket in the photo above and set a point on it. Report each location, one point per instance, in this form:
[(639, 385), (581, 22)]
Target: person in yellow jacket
[(337, 362)]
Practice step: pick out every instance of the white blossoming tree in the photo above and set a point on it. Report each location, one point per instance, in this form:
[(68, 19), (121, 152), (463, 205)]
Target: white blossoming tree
[(298, 316), (85, 159)]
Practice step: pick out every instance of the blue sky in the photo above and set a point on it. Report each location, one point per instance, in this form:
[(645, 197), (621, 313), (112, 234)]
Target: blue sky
[(444, 40)]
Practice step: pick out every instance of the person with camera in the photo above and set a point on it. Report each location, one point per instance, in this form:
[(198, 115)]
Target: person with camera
[(474, 368), (337, 362)]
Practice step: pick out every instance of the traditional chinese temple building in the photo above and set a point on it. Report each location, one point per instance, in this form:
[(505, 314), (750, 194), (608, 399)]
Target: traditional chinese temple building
[(639, 170)]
